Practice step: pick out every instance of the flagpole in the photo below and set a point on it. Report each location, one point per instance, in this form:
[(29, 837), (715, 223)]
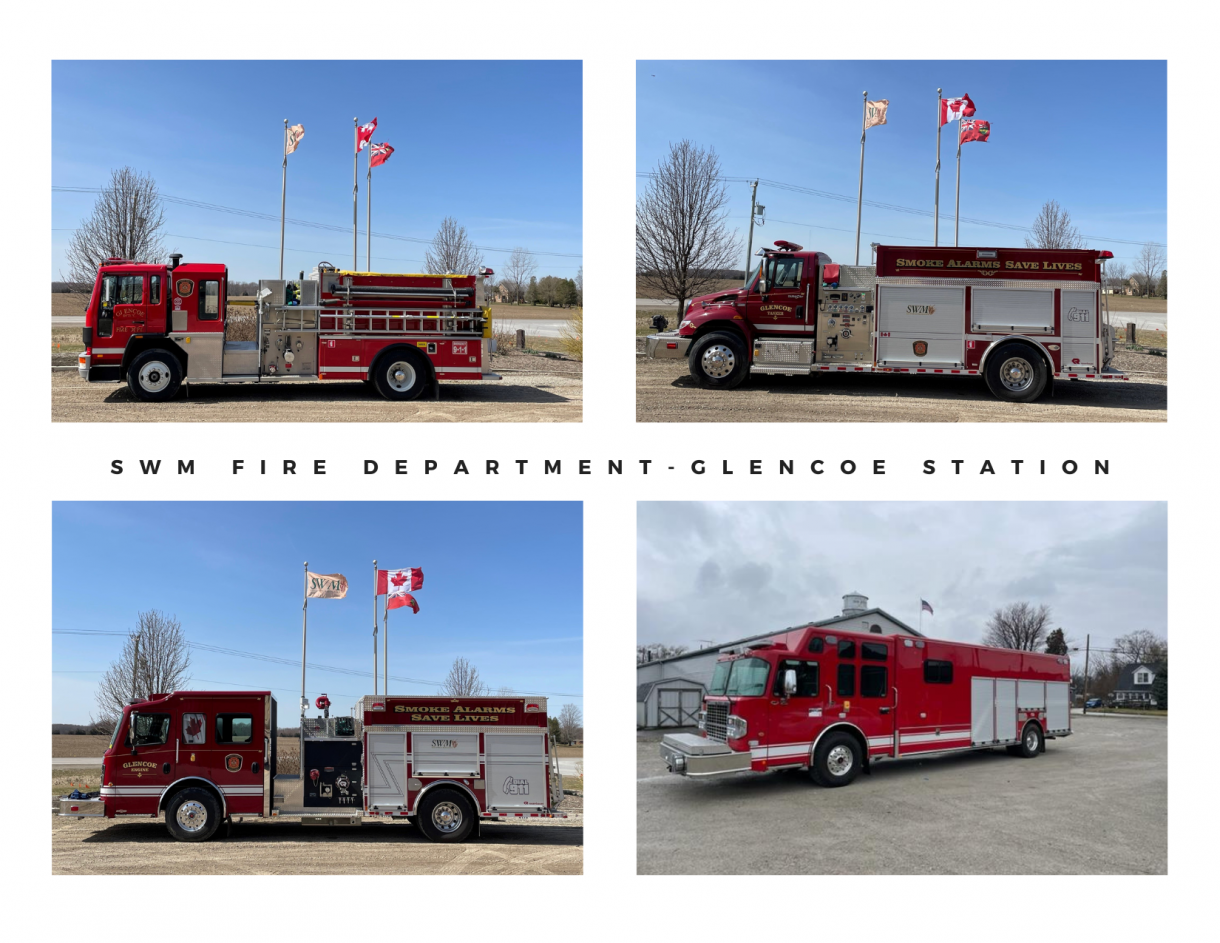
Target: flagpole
[(355, 186), (368, 216), (936, 210), (283, 191), (957, 199), (385, 642), (860, 195), (304, 617), (374, 628)]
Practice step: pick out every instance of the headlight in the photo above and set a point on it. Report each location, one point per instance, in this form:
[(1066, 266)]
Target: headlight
[(685, 324), (736, 727), (701, 720)]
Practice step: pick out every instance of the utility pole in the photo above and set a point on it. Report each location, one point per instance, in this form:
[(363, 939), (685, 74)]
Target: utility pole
[(1085, 708), (750, 243), (135, 664)]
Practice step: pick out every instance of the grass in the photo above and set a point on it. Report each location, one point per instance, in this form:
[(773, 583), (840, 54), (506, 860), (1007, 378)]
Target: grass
[(643, 320), (1119, 303), (561, 750), (525, 312), (575, 783), (1127, 710), (1158, 339), (571, 336), (66, 744), (84, 778)]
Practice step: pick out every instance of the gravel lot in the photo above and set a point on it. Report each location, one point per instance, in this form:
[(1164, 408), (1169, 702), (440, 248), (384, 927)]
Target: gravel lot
[(142, 846), (665, 392), (1094, 803), (534, 389)]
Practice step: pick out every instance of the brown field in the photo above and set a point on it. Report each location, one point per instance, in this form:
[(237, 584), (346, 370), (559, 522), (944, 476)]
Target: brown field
[(724, 284), (1141, 305), (65, 744)]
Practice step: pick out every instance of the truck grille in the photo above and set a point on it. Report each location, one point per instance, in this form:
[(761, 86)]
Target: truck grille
[(717, 723)]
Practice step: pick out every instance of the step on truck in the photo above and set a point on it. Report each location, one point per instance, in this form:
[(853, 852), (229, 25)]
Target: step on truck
[(161, 327), (445, 765), (837, 703), (1018, 318)]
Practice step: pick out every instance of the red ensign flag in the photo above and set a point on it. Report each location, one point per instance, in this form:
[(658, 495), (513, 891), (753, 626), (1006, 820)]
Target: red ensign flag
[(974, 130), (380, 154)]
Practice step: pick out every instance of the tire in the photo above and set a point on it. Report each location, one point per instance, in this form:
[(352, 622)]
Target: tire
[(718, 361), (192, 815), (154, 376), (837, 760), (1016, 372), (1031, 742), (401, 373), (445, 815)]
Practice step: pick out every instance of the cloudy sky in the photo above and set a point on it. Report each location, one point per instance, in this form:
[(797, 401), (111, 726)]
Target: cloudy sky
[(721, 571)]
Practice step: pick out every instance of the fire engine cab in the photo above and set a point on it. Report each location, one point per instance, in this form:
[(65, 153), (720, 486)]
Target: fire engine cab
[(444, 764), (159, 327), (835, 703), (1018, 318)]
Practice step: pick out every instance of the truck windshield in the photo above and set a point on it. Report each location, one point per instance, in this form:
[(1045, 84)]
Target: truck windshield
[(745, 677)]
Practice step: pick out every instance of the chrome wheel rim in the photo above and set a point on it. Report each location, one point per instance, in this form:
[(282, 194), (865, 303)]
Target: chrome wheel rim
[(192, 816), (1017, 374), (839, 760), (447, 817), (154, 376), (1031, 739), (718, 361), (400, 376)]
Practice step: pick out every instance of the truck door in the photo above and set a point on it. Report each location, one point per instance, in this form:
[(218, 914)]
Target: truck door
[(776, 303), (795, 719), (146, 764), (863, 686), (237, 756), (129, 309)]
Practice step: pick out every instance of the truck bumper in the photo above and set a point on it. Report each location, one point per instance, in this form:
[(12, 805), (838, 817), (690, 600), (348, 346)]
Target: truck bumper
[(667, 346), (81, 808), (689, 755)]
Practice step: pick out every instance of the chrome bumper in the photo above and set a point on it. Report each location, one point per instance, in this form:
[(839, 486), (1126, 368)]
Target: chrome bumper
[(667, 346), (689, 755), (81, 808)]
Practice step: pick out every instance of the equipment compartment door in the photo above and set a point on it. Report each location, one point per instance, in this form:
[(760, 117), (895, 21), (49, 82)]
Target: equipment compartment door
[(516, 771), (386, 770), (1058, 696), (1078, 326), (982, 711), (445, 754), (1005, 710)]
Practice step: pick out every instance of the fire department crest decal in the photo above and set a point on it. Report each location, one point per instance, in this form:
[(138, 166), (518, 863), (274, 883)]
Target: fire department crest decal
[(920, 348), (233, 762), (184, 287)]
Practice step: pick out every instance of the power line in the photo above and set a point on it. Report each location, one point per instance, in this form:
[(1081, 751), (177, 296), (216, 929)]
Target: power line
[(898, 208), (270, 217)]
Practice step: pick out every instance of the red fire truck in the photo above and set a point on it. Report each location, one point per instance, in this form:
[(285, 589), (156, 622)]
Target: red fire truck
[(1019, 318), (837, 702), (158, 327), (444, 764)]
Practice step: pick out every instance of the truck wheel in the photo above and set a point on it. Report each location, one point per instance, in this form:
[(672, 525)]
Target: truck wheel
[(445, 815), (1016, 372), (718, 361), (1031, 742), (401, 373), (192, 815), (154, 376), (837, 760)]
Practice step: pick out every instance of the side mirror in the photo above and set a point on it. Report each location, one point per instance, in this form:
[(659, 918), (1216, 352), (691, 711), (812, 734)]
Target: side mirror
[(789, 682), (131, 731)]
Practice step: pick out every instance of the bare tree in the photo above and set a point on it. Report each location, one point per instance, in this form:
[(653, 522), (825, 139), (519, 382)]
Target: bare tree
[(1053, 229), (1019, 625), (655, 652), (1116, 274), (682, 245), (464, 681), (452, 252), (155, 660), (126, 224), (1148, 266), (521, 266), (1141, 646), (569, 722), (580, 285)]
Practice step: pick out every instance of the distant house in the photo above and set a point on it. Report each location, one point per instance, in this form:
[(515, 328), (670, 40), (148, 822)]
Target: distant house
[(1134, 686)]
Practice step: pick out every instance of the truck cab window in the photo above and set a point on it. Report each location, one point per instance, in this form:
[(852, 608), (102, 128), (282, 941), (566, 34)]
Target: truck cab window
[(784, 273), (847, 649), (720, 678), (234, 728), (209, 300), (873, 651), (131, 290), (748, 677), (154, 290), (806, 677), (149, 729)]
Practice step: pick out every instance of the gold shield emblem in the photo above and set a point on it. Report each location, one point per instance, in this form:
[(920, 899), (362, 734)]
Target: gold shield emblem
[(233, 762)]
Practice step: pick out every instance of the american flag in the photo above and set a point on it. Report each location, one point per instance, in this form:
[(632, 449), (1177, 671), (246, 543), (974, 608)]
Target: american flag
[(925, 606)]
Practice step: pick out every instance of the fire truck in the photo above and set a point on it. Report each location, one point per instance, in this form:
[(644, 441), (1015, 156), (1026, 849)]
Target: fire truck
[(835, 703), (159, 327), (1018, 318), (444, 764)]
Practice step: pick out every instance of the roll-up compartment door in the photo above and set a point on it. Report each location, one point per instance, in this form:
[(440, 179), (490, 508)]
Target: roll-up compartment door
[(1078, 327), (386, 771), (517, 775), (1013, 310), (982, 710), (445, 754), (1058, 703), (918, 310), (1031, 695), (1005, 710)]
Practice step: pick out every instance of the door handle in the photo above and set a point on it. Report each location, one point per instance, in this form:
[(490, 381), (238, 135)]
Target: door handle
[(165, 768), (886, 710)]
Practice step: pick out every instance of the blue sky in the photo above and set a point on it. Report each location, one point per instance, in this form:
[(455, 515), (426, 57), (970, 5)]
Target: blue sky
[(497, 145), (1091, 135), (513, 607)]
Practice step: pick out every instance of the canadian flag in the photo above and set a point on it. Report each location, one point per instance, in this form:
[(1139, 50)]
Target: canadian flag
[(364, 134), (951, 109), (396, 586)]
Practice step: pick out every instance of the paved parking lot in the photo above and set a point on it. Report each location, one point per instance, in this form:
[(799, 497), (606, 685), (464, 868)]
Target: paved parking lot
[(1093, 803)]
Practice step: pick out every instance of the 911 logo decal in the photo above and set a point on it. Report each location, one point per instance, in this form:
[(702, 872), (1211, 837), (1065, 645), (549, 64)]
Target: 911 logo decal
[(516, 787), (1079, 314)]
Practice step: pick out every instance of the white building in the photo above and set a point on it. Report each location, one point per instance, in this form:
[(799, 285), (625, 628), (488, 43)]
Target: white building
[(670, 690)]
